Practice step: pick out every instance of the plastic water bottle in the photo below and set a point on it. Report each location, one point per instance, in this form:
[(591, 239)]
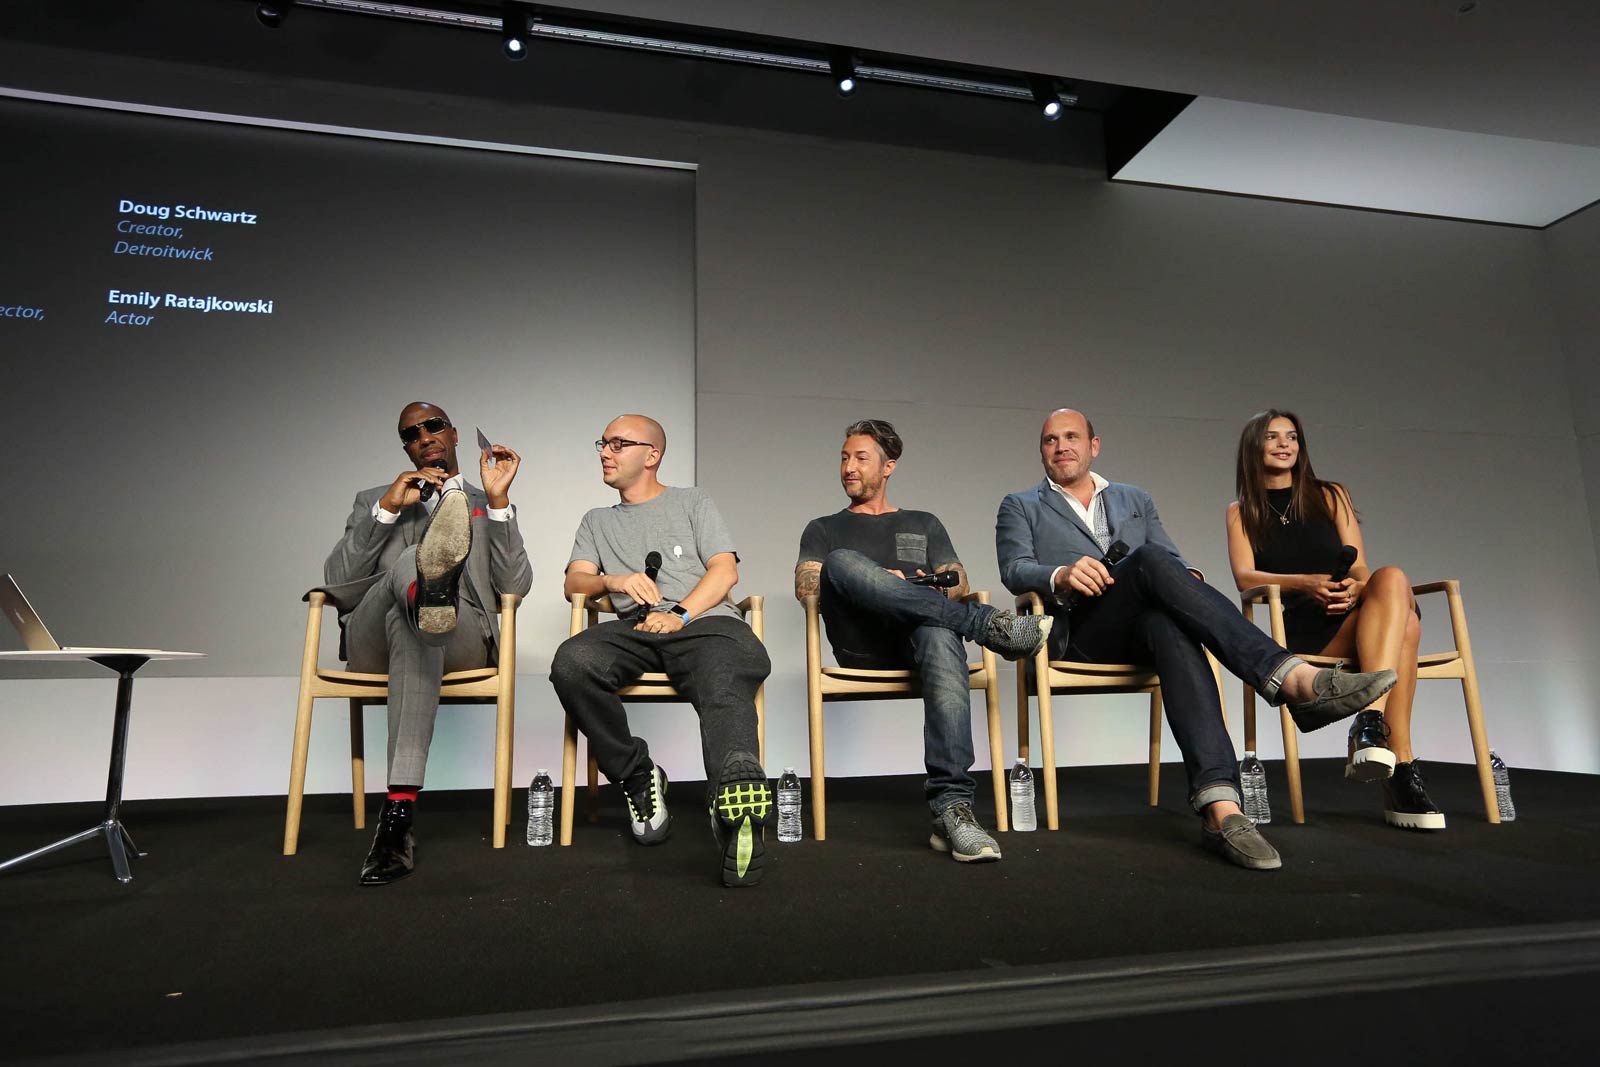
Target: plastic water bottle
[(1023, 815), (789, 806), (1502, 787), (541, 809), (1253, 780)]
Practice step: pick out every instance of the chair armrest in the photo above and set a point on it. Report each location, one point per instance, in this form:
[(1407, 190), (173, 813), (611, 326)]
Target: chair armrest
[(582, 602), (1449, 585), (1259, 594), (1030, 604), (751, 603), (975, 596)]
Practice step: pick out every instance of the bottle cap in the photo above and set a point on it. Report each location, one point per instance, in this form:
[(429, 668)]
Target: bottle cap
[(788, 770), (1248, 753), (542, 773)]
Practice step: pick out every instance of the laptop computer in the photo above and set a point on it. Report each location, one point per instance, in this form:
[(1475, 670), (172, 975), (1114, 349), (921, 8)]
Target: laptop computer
[(35, 634)]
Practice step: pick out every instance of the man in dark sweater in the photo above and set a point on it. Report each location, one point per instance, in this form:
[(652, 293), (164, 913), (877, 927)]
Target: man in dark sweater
[(858, 561)]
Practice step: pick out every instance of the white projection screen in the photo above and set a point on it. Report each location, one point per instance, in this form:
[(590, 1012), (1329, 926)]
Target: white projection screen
[(180, 466)]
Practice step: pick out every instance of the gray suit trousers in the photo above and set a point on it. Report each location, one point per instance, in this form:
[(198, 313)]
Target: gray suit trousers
[(381, 636)]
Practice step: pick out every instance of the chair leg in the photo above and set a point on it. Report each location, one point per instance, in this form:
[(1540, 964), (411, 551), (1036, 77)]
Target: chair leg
[(569, 779), (1480, 745), (358, 761), (593, 813), (1022, 714), (502, 770), (1250, 720), (819, 771), (1047, 741), (297, 771), (1155, 746), (1291, 764), (997, 755)]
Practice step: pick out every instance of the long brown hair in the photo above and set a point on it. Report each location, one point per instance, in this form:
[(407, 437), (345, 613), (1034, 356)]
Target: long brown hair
[(1311, 495)]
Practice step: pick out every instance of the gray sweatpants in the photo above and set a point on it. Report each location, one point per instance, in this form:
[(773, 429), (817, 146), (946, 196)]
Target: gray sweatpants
[(381, 636), (716, 663)]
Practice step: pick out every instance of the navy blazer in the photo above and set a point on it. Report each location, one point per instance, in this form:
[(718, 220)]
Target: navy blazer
[(1037, 531)]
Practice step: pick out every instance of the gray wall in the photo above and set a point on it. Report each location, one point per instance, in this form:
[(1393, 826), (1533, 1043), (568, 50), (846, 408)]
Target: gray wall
[(961, 297), (1573, 249)]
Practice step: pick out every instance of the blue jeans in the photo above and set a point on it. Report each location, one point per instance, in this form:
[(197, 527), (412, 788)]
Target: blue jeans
[(1157, 612), (920, 629)]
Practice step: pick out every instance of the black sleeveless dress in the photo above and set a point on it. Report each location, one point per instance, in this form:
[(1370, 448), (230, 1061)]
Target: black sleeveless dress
[(1299, 547)]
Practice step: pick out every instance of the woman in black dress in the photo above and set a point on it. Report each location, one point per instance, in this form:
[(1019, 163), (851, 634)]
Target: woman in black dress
[(1287, 528)]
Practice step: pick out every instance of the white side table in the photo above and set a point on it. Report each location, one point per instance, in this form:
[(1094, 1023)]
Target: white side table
[(124, 661)]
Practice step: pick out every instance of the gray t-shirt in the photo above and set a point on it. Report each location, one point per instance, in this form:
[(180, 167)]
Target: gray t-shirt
[(682, 524)]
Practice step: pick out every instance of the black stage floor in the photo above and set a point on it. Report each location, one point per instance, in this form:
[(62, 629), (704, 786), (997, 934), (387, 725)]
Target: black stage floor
[(222, 948)]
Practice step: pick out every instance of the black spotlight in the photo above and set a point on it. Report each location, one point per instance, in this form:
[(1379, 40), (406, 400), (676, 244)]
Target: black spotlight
[(514, 31), (1046, 95), (271, 13), (844, 71)]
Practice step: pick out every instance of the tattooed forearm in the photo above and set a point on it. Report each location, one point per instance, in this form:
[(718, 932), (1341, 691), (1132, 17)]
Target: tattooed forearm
[(807, 579)]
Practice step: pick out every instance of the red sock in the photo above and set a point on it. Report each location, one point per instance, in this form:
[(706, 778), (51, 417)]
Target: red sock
[(411, 594), (404, 793)]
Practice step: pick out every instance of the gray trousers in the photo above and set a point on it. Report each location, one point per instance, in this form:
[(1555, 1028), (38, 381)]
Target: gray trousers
[(381, 636)]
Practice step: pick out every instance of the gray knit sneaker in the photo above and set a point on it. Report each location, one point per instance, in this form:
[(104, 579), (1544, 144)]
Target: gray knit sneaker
[(1339, 695), (956, 830), (1239, 842), (1015, 636)]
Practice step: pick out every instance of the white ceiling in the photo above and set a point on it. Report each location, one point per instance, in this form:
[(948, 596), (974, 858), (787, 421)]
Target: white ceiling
[(1523, 72)]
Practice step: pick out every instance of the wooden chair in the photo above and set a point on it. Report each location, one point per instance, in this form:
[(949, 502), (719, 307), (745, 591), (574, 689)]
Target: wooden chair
[(827, 684), (1067, 677), (1455, 663), (652, 687), (487, 685)]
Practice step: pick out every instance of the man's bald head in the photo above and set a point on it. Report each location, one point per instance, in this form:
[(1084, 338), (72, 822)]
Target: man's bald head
[(1088, 427), (639, 428)]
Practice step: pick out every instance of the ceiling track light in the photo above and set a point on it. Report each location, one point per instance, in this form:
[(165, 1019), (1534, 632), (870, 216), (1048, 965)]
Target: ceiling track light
[(271, 13), (802, 58), (515, 21), (1047, 96), (843, 67)]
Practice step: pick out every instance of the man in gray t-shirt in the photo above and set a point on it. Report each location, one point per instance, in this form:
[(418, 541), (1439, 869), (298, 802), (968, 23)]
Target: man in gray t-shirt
[(665, 558)]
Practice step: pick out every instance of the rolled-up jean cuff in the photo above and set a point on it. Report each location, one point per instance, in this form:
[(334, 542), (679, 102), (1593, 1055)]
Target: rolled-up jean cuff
[(1272, 689), (1210, 794)]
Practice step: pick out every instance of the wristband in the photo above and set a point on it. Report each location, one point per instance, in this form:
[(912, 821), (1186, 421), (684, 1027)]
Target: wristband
[(681, 612)]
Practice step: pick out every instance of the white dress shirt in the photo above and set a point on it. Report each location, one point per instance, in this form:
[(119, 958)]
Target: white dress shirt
[(1085, 513)]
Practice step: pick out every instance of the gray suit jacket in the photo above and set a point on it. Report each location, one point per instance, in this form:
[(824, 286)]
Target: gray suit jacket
[(1037, 531), (497, 563)]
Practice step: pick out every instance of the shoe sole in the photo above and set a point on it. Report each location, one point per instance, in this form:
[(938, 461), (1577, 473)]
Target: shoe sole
[(1415, 820), (1316, 716), (443, 550), (939, 844), (1370, 765), (741, 809)]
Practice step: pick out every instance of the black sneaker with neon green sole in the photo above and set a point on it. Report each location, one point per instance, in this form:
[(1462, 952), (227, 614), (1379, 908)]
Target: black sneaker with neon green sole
[(741, 806)]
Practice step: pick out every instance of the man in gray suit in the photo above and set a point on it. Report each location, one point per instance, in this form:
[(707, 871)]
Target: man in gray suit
[(1153, 608), (396, 578)]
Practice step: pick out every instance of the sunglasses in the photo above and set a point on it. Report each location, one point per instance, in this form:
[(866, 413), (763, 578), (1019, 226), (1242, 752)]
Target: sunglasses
[(436, 424)]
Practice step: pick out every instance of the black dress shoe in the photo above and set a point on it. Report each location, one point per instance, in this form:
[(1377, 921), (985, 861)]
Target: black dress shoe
[(441, 557), (1369, 757), (394, 846)]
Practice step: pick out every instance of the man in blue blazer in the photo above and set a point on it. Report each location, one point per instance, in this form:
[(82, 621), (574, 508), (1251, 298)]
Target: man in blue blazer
[(1152, 607)]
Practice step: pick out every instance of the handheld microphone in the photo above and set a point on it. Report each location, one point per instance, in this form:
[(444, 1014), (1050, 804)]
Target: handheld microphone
[(427, 489), (936, 580), (1114, 555), (652, 565), (1347, 559)]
